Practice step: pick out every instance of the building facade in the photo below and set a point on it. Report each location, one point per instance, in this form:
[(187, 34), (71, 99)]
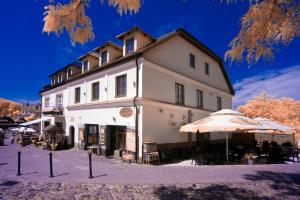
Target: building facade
[(123, 96)]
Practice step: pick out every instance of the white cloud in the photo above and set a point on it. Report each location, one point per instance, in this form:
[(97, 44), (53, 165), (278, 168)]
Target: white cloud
[(280, 83)]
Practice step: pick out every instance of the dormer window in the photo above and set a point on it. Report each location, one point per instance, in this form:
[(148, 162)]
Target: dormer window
[(69, 73), (103, 57), (85, 66), (53, 80), (130, 45)]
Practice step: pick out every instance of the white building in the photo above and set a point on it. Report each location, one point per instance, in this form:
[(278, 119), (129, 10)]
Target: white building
[(121, 97)]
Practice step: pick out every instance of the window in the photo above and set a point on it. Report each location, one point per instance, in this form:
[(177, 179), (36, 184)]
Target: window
[(206, 68), (103, 57), (77, 95), (121, 86), (47, 102), (69, 73), (59, 101), (95, 91), (53, 80), (85, 66), (179, 93), (192, 60), (129, 45), (219, 103), (199, 98)]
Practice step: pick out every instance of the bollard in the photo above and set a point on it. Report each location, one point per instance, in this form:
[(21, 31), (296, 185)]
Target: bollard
[(50, 162), (19, 163), (90, 165)]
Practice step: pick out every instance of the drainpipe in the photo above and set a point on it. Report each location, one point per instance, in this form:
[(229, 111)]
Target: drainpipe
[(136, 110)]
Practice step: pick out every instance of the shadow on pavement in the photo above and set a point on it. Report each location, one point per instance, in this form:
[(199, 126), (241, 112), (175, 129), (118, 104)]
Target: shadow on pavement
[(9, 183), (287, 183), (210, 192), (28, 173), (62, 174), (3, 164), (100, 175)]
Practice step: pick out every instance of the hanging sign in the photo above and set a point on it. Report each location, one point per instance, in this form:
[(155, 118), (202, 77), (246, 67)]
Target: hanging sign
[(126, 112)]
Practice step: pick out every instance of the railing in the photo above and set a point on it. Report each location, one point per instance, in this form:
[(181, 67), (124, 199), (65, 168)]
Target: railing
[(53, 110)]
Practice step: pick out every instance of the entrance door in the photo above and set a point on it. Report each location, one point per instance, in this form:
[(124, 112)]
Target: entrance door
[(72, 136), (115, 137)]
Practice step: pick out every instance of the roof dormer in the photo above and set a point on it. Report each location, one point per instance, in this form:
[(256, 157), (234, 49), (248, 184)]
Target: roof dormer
[(108, 52), (134, 39), (89, 61)]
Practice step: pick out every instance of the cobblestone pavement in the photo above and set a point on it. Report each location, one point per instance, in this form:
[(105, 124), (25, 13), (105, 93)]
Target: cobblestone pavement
[(115, 180), (258, 191)]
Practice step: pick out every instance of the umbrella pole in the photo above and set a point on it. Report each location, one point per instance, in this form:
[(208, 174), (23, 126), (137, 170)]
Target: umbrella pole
[(227, 147)]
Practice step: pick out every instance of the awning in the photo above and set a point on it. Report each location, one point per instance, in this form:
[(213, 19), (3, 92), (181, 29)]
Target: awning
[(35, 121)]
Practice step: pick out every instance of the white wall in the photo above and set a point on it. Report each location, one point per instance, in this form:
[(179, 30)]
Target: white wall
[(160, 85), (174, 55)]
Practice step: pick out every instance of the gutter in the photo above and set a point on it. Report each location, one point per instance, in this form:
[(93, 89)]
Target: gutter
[(136, 110)]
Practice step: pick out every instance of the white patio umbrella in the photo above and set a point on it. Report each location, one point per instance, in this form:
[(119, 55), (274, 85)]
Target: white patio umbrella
[(30, 130), (22, 130), (225, 120), (14, 129)]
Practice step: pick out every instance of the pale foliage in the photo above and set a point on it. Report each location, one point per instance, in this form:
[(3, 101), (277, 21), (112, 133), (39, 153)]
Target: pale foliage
[(266, 24), (9, 108), (72, 18), (283, 110), (31, 117)]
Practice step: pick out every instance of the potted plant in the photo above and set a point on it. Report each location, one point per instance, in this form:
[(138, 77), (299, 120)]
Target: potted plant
[(128, 158), (250, 158)]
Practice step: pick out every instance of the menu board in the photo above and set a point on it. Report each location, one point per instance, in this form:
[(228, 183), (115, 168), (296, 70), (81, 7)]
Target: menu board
[(81, 134), (130, 139), (102, 135)]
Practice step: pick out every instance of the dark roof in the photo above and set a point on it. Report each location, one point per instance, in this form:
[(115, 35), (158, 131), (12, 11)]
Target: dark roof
[(6, 120), (181, 32), (109, 43), (74, 64), (135, 28)]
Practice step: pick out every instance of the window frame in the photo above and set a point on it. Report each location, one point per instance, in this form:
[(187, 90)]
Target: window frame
[(106, 61), (206, 68), (199, 98), (47, 102), (124, 87), (126, 45), (61, 100), (192, 61), (77, 100), (219, 103), (93, 97), (87, 66), (179, 94)]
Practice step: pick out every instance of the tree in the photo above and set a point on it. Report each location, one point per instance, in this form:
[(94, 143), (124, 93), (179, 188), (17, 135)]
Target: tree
[(9, 108), (283, 110), (266, 24)]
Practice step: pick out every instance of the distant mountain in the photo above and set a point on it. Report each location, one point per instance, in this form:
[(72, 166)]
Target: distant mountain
[(9, 108)]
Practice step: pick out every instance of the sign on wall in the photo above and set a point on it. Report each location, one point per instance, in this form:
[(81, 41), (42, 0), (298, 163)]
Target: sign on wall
[(81, 134), (102, 135), (130, 139), (126, 112)]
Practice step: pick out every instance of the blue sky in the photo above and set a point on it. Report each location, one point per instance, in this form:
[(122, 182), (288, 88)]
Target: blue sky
[(28, 56)]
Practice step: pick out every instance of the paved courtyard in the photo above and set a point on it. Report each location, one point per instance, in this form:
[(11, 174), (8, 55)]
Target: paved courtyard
[(116, 180)]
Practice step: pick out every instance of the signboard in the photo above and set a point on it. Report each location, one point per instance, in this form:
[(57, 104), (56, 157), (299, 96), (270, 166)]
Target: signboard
[(126, 112), (81, 134), (130, 139), (102, 135)]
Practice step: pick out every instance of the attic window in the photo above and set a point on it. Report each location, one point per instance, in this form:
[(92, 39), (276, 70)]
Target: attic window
[(130, 45), (103, 57), (85, 66)]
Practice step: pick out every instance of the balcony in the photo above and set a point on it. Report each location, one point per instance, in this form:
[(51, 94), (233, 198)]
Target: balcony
[(53, 110)]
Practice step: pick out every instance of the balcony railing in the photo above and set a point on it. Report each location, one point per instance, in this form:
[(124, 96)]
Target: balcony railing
[(53, 110)]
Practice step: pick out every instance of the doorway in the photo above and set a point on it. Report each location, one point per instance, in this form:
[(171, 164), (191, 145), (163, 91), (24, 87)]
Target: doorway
[(72, 136), (115, 138), (91, 135)]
